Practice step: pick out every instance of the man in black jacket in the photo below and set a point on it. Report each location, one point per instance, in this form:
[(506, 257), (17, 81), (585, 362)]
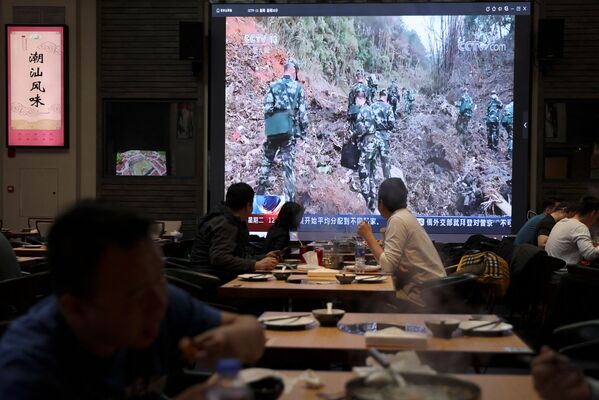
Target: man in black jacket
[(220, 244)]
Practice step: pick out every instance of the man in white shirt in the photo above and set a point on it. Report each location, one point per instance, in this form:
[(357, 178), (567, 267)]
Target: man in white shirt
[(409, 252), (570, 238)]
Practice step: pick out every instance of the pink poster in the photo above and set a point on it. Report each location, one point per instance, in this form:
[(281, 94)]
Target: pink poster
[(36, 86)]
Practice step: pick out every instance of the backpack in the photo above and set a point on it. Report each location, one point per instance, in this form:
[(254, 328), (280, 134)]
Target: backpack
[(466, 105), (280, 122)]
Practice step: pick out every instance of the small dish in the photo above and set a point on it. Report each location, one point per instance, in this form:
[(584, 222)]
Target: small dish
[(292, 323), (282, 275), (255, 277), (443, 328), (485, 328), (268, 388), (328, 319), (345, 279), (371, 278)]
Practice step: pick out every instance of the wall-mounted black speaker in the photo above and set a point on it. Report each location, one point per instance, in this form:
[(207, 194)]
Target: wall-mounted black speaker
[(191, 36), (551, 39)]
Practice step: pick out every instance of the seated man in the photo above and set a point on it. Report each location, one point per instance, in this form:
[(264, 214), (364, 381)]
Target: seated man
[(570, 238), (220, 244), (564, 210), (113, 328), (528, 232), (409, 252)]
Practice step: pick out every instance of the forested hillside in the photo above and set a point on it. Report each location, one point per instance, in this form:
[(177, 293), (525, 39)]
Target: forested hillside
[(444, 175)]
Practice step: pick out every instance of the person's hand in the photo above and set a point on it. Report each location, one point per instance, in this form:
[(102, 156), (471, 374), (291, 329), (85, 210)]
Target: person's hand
[(364, 229), (207, 347), (555, 378), (275, 254), (266, 264)]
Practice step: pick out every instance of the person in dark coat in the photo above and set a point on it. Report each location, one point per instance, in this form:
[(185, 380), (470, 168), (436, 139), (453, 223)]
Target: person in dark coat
[(219, 247), (289, 219)]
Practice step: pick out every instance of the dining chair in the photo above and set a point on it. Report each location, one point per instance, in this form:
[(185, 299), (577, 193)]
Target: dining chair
[(43, 228), (18, 294), (9, 265)]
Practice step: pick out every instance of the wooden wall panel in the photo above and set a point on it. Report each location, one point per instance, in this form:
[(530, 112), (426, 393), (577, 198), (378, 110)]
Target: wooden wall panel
[(575, 76), (138, 55)]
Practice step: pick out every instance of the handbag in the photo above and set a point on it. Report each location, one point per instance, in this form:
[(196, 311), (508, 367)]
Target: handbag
[(350, 154)]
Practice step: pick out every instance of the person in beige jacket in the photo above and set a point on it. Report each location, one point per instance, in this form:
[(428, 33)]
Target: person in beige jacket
[(409, 252)]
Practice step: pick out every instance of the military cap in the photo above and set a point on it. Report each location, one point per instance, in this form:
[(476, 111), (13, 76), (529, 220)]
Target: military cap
[(493, 91), (292, 62), (360, 93)]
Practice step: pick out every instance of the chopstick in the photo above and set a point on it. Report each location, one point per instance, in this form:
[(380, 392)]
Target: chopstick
[(484, 325), (368, 278), (284, 318)]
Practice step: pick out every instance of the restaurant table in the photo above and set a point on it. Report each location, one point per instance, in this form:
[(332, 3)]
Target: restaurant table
[(323, 290), (493, 387), (27, 262), (16, 234), (31, 251), (347, 349)]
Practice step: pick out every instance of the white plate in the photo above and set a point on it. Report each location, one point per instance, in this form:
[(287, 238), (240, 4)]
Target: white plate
[(289, 323), (371, 278), (368, 268), (499, 329), (256, 277)]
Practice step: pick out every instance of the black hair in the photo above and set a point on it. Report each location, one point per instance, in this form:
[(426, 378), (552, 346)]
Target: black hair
[(550, 202), (394, 194), (587, 205), (567, 206), (289, 216), (239, 195), (81, 236)]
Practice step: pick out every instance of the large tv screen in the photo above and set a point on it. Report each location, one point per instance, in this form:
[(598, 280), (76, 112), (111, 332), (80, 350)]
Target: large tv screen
[(298, 111)]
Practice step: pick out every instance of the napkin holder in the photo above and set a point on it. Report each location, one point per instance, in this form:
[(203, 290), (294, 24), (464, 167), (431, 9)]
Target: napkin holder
[(396, 337)]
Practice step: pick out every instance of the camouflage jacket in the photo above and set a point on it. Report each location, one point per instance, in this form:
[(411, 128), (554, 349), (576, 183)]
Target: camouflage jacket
[(288, 94), (352, 109), (384, 120), (365, 122), (393, 92), (465, 105), (508, 114), (493, 107)]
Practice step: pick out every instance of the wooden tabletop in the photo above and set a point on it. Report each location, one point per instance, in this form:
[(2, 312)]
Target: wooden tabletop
[(494, 387), (310, 289), (321, 338), (25, 262), (31, 251), (11, 234)]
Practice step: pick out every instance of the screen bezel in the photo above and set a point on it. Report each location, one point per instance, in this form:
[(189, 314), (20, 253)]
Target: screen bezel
[(521, 138)]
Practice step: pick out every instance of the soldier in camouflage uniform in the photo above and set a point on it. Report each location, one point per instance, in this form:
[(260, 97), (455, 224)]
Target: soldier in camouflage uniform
[(408, 99), (464, 106), (364, 135), (393, 95), (492, 119), (286, 120), (352, 108), (507, 121), (373, 87), (384, 121)]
